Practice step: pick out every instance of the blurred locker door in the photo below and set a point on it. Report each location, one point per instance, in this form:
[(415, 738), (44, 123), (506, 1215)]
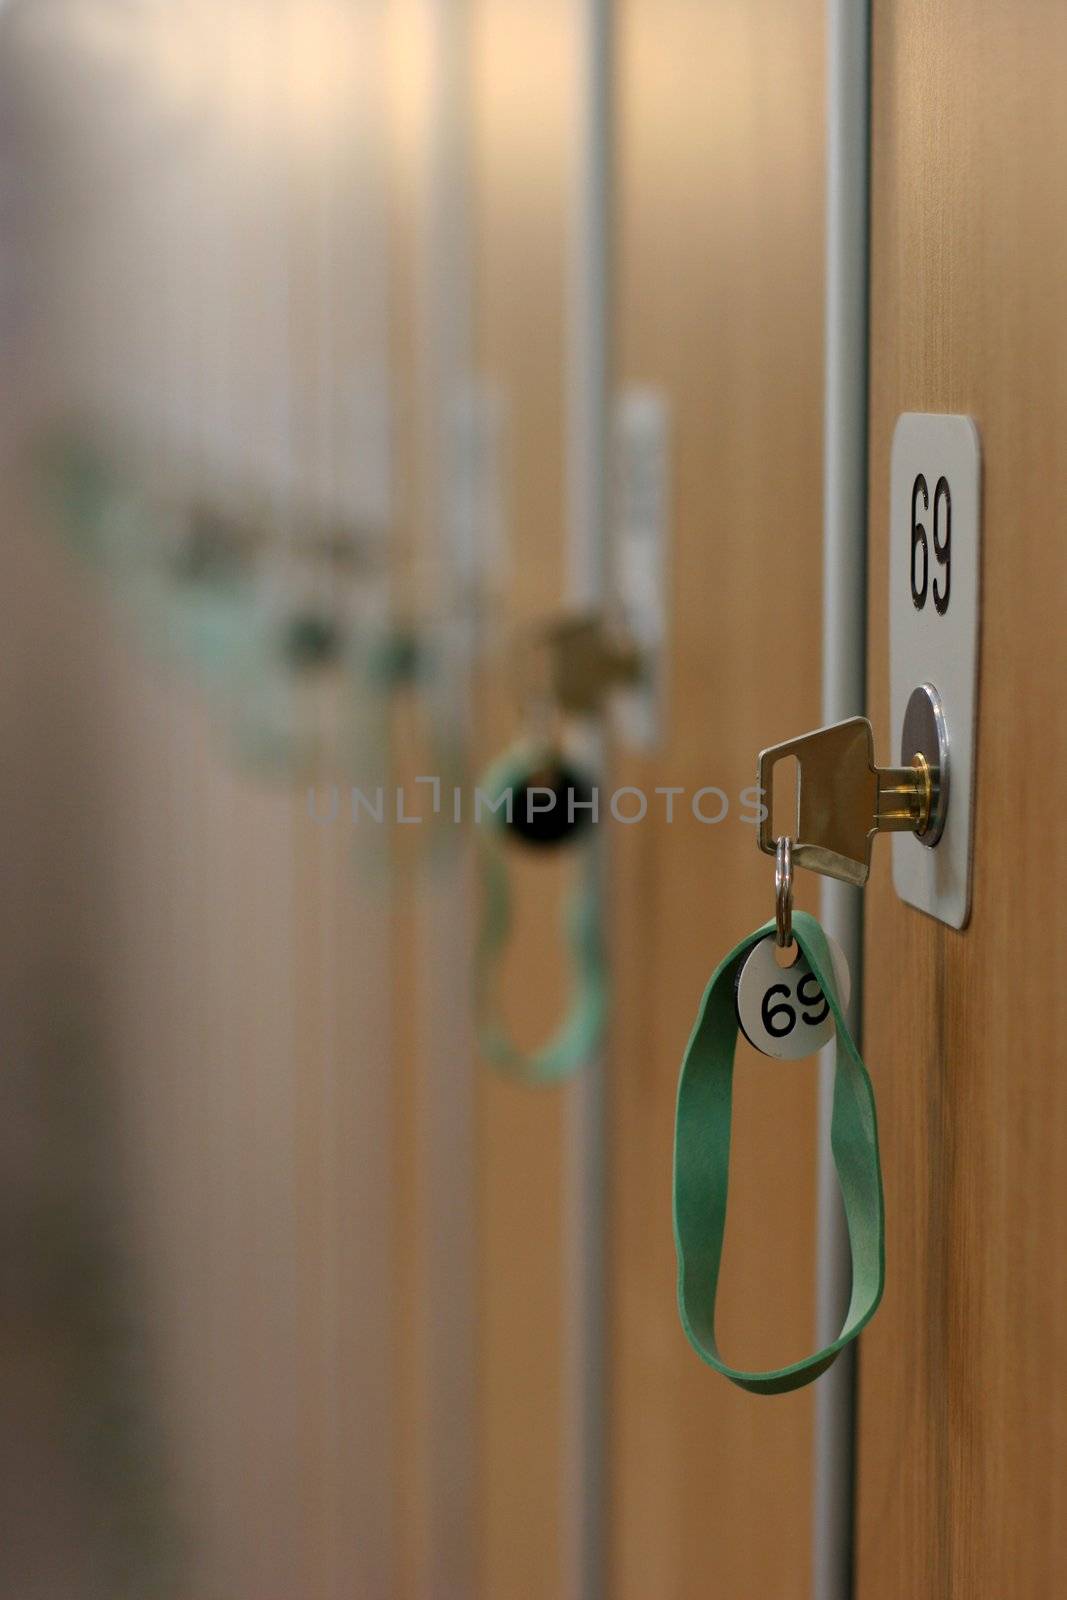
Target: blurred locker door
[(433, 590), (525, 86), (199, 1325), (963, 1433), (719, 313)]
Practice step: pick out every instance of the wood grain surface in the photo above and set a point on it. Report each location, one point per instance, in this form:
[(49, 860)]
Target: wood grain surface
[(963, 1427)]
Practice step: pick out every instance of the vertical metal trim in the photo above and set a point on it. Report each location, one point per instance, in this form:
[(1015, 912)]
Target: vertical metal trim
[(844, 694), (588, 430), (589, 330)]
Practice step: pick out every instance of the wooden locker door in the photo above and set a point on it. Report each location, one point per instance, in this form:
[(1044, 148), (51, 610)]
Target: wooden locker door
[(963, 1426), (194, 1017), (524, 69), (719, 162)]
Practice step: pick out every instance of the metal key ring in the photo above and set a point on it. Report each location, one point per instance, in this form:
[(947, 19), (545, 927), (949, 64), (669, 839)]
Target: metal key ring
[(783, 892)]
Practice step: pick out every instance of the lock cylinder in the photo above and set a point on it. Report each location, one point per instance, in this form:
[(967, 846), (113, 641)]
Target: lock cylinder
[(905, 796), (924, 742)]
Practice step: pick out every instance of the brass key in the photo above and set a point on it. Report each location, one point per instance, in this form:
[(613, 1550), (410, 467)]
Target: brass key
[(843, 799), (579, 658)]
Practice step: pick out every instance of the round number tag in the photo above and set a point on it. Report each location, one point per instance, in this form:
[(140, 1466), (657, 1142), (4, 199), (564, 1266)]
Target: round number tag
[(782, 1010)]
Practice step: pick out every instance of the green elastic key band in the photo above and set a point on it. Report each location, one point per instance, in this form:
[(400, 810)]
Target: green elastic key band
[(702, 1159), (579, 1036)]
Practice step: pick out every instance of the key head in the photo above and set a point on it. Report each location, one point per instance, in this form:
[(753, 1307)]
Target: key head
[(586, 656), (837, 799)]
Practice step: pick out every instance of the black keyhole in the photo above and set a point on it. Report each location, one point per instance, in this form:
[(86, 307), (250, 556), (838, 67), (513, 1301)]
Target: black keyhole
[(543, 826)]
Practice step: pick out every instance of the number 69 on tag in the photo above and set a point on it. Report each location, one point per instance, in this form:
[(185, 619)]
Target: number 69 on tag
[(782, 1011)]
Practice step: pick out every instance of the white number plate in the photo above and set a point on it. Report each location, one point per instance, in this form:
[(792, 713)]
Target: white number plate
[(642, 518), (934, 547)]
